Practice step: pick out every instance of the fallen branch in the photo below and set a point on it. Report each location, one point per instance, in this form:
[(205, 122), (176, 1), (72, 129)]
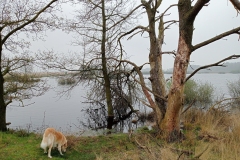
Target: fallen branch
[(141, 146), (188, 153), (208, 136)]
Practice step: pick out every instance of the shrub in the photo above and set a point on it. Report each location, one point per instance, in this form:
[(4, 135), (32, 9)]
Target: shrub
[(234, 92), (200, 92), (66, 81), (205, 93), (190, 91)]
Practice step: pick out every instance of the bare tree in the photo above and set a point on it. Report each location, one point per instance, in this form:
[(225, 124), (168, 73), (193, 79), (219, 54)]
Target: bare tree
[(156, 38), (97, 25), (20, 18), (168, 107), (188, 10)]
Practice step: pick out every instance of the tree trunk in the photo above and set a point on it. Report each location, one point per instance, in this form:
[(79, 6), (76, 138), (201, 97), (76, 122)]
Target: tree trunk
[(157, 75), (3, 126), (107, 86), (171, 122), (155, 58), (187, 15)]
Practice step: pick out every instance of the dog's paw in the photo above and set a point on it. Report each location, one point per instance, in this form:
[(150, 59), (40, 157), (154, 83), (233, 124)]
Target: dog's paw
[(50, 156)]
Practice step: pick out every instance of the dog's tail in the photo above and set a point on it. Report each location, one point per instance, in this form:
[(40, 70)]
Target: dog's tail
[(43, 145)]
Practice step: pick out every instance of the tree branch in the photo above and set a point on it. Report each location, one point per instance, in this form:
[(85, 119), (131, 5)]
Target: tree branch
[(236, 4), (170, 52), (211, 65), (225, 34), (197, 7), (28, 21), (124, 18), (127, 33)]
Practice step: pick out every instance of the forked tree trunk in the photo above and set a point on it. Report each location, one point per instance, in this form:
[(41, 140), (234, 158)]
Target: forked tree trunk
[(187, 15), (155, 58)]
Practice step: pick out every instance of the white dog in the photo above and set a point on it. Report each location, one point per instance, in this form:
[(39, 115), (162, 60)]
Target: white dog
[(53, 138)]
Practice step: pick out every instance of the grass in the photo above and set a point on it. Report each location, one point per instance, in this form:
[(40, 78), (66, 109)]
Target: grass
[(209, 135)]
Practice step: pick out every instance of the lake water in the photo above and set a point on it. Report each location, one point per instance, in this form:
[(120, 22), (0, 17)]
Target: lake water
[(65, 113)]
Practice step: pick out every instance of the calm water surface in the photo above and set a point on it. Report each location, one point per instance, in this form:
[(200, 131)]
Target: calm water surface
[(65, 112), (50, 109)]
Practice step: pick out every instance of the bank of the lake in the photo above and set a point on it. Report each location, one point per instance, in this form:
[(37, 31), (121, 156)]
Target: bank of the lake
[(204, 138)]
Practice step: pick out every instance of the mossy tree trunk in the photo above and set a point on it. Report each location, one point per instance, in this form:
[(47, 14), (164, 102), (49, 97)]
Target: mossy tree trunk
[(105, 71)]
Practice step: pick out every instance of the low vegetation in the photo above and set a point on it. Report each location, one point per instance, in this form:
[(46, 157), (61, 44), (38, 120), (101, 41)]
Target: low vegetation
[(22, 78), (201, 93), (197, 92), (210, 134), (66, 81), (234, 91)]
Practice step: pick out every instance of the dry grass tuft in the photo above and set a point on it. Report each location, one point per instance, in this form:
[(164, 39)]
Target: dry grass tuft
[(218, 129), (72, 141)]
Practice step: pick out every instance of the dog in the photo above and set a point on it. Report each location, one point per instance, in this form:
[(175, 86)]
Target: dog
[(53, 138)]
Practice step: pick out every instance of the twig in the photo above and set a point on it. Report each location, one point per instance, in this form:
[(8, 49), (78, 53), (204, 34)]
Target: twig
[(141, 146), (226, 99), (189, 106), (155, 140), (200, 154), (188, 153)]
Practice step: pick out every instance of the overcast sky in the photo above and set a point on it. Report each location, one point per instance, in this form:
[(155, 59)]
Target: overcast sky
[(219, 16), (216, 18)]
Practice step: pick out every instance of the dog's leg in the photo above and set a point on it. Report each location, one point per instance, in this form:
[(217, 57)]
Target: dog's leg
[(60, 149), (44, 146), (49, 151), (45, 150)]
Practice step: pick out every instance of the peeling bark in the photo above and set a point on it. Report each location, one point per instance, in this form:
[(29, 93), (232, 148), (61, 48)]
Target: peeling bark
[(171, 123)]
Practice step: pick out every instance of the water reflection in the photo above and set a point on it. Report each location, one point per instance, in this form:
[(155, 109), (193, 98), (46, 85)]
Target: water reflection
[(66, 112)]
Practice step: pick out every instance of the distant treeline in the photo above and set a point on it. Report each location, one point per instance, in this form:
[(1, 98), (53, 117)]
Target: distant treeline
[(226, 68)]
